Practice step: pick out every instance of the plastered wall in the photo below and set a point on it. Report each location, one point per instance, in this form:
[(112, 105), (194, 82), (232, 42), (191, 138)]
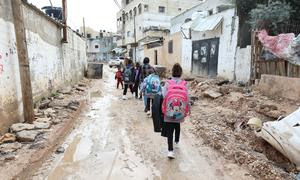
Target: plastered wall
[(53, 64)]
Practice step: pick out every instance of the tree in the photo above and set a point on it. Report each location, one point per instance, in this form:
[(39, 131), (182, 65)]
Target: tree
[(272, 17)]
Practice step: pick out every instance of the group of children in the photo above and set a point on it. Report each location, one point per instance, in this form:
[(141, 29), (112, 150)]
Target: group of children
[(170, 100)]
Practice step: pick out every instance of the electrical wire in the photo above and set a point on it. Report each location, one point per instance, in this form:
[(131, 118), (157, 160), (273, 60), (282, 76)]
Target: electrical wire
[(117, 3)]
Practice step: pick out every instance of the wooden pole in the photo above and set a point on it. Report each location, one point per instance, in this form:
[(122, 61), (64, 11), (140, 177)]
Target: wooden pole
[(23, 60), (65, 32)]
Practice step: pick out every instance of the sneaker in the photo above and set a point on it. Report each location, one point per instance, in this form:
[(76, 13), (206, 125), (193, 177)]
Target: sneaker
[(176, 145), (148, 113), (171, 155), (124, 98)]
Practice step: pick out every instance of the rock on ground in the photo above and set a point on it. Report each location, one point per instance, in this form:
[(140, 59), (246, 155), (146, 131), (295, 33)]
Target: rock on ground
[(27, 136), (42, 125), (60, 150), (10, 147), (21, 126), (7, 138), (43, 120), (212, 94)]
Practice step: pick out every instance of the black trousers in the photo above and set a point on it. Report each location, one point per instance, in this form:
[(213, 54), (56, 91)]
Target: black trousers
[(170, 128), (149, 100), (126, 88), (136, 89)]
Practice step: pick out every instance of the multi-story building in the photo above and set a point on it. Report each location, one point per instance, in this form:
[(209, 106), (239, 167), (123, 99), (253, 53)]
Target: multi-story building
[(141, 22), (100, 45)]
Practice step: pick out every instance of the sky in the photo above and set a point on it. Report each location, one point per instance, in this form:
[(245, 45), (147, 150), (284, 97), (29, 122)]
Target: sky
[(98, 14)]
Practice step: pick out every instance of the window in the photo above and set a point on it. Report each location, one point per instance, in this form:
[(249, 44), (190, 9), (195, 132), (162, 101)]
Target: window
[(179, 9), (127, 1), (170, 47), (146, 8), (134, 11), (140, 8), (210, 12), (161, 9), (96, 46), (88, 35), (128, 33)]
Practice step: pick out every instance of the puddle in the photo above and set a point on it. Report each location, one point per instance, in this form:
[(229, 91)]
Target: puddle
[(68, 158)]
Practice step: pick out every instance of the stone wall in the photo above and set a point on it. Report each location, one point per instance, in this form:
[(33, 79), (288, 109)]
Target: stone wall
[(53, 64)]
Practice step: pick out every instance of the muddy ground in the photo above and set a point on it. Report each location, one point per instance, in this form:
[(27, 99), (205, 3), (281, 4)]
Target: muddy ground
[(222, 123), (114, 138), (116, 141)]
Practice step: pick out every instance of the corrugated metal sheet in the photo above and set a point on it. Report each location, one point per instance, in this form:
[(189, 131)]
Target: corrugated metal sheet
[(187, 25), (209, 23)]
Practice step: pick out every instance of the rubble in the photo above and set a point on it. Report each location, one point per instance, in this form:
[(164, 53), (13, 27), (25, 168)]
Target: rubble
[(56, 121), (42, 125), (50, 112), (44, 104), (212, 94), (7, 138), (21, 126), (67, 90), (220, 120), (43, 120), (27, 136), (10, 147)]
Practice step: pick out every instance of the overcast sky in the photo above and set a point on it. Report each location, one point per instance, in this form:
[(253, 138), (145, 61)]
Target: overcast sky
[(99, 14)]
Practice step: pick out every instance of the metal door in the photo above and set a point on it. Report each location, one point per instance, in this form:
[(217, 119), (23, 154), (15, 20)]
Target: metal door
[(205, 57)]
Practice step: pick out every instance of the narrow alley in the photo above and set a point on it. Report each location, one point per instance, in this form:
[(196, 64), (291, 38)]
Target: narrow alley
[(116, 141), (216, 90)]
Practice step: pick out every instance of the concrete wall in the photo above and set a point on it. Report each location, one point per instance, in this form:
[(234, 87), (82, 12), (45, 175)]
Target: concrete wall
[(280, 86), (228, 42), (52, 64), (164, 57), (243, 64), (186, 58)]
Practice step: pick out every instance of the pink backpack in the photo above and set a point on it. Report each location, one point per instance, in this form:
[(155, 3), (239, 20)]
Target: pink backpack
[(175, 105)]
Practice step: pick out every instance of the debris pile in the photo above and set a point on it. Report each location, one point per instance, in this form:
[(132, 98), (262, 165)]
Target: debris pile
[(49, 112), (220, 118)]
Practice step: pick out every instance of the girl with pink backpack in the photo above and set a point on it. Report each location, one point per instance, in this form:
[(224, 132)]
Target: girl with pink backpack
[(175, 107)]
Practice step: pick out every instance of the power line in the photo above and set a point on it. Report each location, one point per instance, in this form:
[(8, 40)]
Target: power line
[(117, 3)]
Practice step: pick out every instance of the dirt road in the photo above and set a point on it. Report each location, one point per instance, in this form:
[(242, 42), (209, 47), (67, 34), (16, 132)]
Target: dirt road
[(116, 141)]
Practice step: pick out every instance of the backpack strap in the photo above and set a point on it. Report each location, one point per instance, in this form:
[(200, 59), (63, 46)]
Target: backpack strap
[(171, 82), (183, 83)]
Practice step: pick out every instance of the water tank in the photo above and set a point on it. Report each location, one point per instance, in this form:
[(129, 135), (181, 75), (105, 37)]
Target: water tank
[(55, 12)]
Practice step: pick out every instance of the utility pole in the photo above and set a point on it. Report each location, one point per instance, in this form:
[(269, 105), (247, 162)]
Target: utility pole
[(23, 61), (134, 37), (65, 32), (84, 27)]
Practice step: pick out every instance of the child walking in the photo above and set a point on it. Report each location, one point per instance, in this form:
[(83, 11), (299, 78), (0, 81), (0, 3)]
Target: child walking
[(175, 107), (128, 77), (118, 77)]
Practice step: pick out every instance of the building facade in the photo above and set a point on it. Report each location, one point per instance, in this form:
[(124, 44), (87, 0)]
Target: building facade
[(100, 45), (203, 39), (146, 21)]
